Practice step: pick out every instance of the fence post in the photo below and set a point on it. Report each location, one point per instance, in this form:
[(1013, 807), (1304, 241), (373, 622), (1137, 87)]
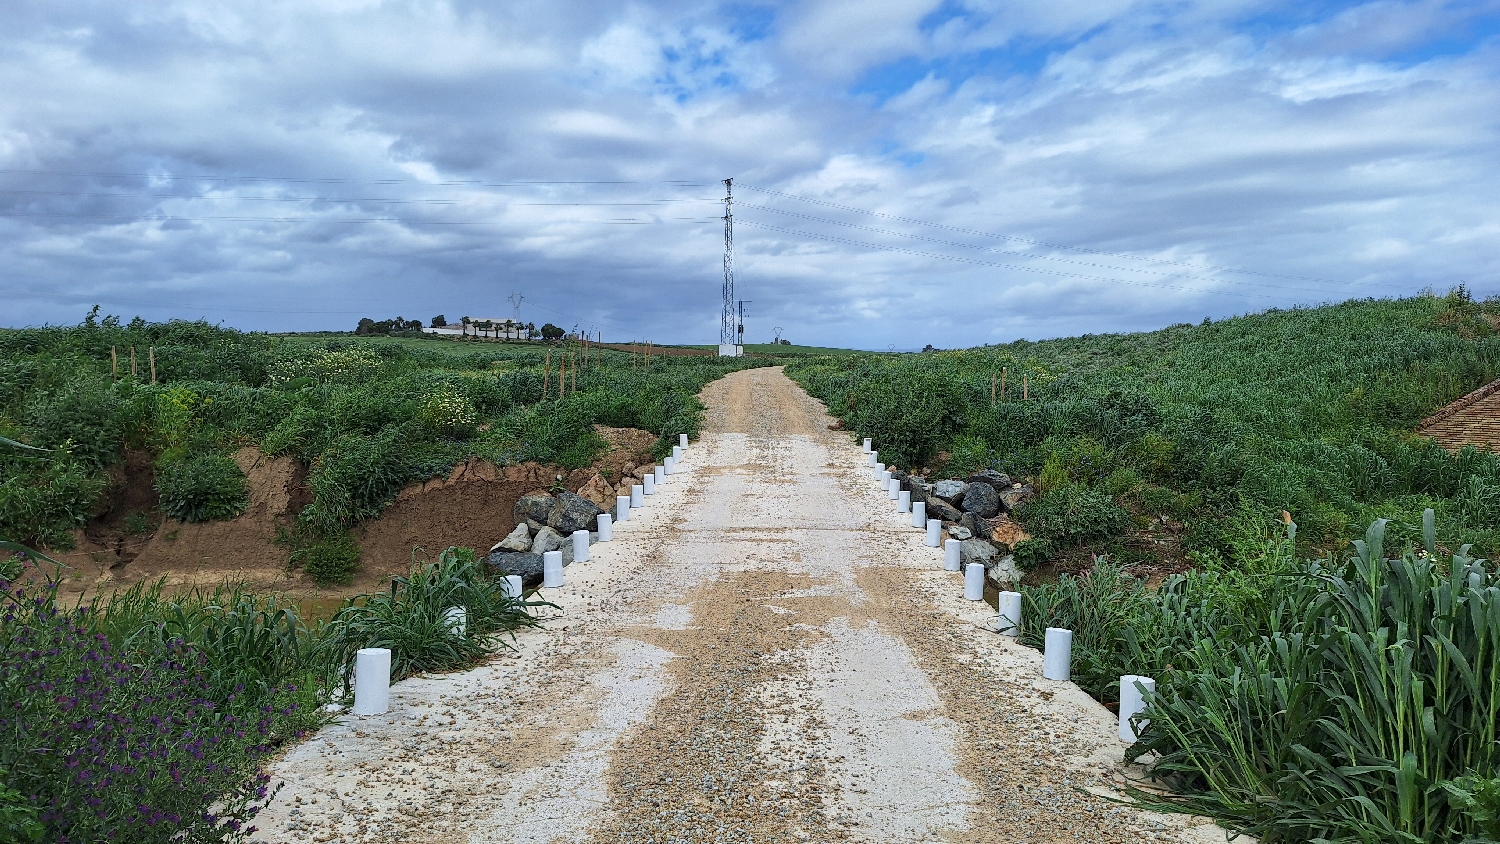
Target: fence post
[(1010, 613), (372, 681), (1057, 658)]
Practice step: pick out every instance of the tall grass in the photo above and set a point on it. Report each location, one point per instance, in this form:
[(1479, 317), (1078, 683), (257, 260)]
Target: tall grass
[(410, 618)]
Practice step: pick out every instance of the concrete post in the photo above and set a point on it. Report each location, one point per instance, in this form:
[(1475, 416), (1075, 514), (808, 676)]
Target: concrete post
[(456, 619), (607, 525), (1057, 657), (682, 440), (952, 552), (867, 445), (512, 587), (552, 570), (660, 472), (637, 495), (903, 501), (372, 681), (648, 483), (919, 514), (580, 546), (974, 581), (934, 533), (1133, 693), (870, 461), (622, 508), (1010, 613), (677, 453)]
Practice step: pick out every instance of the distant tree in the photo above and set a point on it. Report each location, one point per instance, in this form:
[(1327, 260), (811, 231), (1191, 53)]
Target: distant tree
[(552, 332), (483, 326), (439, 321), (466, 322), (366, 326)]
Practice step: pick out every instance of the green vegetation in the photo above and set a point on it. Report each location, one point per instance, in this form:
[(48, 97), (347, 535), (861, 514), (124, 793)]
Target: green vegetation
[(368, 415), (1215, 428), (1348, 699), (146, 717)]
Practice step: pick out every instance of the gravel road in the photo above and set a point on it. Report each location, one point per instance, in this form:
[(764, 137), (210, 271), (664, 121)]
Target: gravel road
[(766, 652)]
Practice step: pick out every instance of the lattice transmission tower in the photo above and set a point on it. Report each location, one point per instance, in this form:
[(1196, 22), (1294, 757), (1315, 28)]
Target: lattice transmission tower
[(726, 320)]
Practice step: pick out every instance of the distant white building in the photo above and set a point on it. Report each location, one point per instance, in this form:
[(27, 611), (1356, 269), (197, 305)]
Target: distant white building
[(493, 329)]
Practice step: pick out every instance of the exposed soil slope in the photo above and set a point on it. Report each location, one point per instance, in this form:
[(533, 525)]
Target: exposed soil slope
[(129, 541)]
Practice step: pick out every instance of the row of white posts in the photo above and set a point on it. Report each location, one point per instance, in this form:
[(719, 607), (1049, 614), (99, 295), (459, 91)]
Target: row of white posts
[(1057, 655), (372, 666)]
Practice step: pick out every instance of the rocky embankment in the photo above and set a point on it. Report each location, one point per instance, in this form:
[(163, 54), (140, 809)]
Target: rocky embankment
[(976, 511)]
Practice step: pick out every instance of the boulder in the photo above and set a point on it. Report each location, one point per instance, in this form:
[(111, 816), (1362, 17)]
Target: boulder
[(977, 551), (1003, 570), (534, 507), (950, 491), (977, 527), (937, 508), (546, 540), (518, 540), (1017, 495), (999, 480), (527, 565), (920, 491), (982, 501), (573, 512), (599, 491), (900, 476), (960, 532)]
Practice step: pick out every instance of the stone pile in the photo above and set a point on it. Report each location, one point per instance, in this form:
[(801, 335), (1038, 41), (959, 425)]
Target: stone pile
[(544, 522), (975, 511)]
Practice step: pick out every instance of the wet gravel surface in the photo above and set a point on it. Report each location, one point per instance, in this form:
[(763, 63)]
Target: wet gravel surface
[(766, 653)]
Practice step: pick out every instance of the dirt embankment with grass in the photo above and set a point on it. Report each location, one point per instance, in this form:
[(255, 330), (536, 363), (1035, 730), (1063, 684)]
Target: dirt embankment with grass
[(128, 540)]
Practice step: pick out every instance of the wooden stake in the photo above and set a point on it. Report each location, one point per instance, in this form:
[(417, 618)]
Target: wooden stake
[(1003, 371), (132, 361), (562, 374), (151, 354), (575, 373), (114, 364), (546, 374)]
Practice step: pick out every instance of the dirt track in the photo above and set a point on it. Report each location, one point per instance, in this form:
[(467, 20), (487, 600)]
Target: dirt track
[(767, 652)]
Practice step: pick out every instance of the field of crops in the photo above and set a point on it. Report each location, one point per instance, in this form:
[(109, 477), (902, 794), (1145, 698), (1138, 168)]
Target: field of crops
[(1307, 689)]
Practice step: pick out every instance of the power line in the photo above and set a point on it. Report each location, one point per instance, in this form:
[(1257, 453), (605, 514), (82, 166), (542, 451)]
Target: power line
[(401, 220), (1033, 241)]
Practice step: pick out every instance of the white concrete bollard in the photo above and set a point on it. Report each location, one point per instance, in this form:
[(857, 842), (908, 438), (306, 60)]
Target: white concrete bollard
[(648, 484), (637, 495), (880, 473), (934, 533), (868, 445), (682, 440), (661, 475), (893, 489), (1057, 657), (974, 581), (552, 569), (512, 587), (677, 453), (456, 619), (903, 502), (607, 525), (870, 461), (1009, 606), (372, 681), (919, 514), (669, 464), (622, 508), (580, 546), (1132, 703), (951, 554)]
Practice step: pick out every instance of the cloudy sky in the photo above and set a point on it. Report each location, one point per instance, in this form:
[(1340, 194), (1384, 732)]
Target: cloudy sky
[(952, 172)]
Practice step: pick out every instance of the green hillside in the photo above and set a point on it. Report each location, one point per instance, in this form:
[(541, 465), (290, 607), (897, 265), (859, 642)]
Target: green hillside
[(1216, 428)]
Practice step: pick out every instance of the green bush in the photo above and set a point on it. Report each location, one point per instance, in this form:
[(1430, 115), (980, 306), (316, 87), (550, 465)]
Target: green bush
[(201, 487), (1031, 553), (330, 561), (1072, 514)]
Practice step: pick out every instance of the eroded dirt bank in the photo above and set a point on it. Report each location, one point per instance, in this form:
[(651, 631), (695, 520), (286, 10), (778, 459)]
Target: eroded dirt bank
[(766, 653)]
